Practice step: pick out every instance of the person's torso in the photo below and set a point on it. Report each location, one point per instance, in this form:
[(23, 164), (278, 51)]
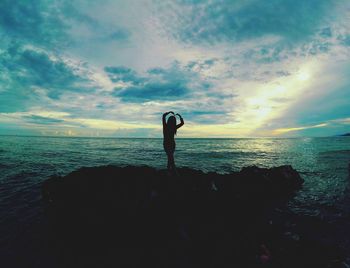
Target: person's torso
[(168, 137)]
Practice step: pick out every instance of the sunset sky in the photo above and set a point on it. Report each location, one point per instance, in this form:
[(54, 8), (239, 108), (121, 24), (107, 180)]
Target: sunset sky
[(244, 68)]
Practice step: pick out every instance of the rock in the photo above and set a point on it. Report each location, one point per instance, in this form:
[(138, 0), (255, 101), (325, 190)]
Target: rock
[(139, 216)]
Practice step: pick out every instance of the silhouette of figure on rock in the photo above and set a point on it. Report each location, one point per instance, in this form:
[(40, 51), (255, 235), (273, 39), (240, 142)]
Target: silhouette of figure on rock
[(169, 131)]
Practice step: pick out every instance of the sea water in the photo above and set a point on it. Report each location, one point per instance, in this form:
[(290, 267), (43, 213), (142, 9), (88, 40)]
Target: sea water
[(25, 162)]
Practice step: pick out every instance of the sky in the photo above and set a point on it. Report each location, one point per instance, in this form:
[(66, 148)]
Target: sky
[(111, 68)]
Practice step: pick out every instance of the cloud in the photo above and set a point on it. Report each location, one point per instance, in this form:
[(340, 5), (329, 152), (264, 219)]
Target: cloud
[(123, 74), (49, 23), (32, 61), (345, 121), (58, 123), (231, 68), (328, 99), (173, 83), (325, 128), (286, 130), (215, 21), (345, 40), (35, 68), (258, 33), (207, 117), (30, 22), (28, 73), (119, 35)]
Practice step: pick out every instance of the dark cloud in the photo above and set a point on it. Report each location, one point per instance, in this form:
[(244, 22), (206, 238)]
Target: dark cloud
[(119, 35), (37, 69), (123, 74), (41, 120), (215, 21), (169, 90), (283, 73), (326, 32), (171, 83), (39, 22), (33, 36), (266, 54), (319, 47), (24, 70), (46, 23), (344, 39)]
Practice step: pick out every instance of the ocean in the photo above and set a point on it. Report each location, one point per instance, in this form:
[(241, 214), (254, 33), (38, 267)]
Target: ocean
[(25, 162)]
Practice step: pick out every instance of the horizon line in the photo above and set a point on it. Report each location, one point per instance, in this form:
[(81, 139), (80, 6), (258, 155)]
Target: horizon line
[(111, 137)]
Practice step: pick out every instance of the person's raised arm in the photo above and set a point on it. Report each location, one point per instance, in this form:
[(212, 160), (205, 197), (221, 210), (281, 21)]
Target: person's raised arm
[(164, 116), (181, 121)]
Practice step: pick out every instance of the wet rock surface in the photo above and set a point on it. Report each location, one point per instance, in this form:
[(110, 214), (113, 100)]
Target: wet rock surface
[(139, 217)]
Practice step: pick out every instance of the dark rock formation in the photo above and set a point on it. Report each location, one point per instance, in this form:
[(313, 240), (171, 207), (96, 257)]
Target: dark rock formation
[(140, 217)]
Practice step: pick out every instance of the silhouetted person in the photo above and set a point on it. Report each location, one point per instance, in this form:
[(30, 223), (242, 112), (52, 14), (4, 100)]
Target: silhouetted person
[(169, 131)]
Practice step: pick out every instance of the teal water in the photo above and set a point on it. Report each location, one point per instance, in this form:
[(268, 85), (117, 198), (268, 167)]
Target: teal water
[(323, 162), (26, 161)]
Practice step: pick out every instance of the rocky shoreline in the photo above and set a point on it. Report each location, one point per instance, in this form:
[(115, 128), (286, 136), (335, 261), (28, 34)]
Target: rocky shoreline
[(139, 217)]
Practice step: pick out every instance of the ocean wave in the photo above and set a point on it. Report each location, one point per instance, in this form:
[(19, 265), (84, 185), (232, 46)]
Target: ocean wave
[(336, 152), (52, 153), (110, 148), (3, 166)]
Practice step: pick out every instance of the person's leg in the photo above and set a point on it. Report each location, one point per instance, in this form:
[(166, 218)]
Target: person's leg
[(172, 164), (171, 160), (170, 149), (166, 150)]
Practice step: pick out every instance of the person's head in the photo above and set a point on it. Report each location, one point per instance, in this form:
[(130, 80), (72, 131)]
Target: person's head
[(171, 124)]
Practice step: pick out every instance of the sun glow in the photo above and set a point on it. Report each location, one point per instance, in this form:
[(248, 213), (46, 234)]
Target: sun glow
[(271, 100), (303, 76)]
